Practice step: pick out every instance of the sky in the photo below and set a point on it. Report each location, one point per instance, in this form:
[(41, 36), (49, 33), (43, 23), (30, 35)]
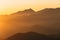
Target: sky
[(12, 6)]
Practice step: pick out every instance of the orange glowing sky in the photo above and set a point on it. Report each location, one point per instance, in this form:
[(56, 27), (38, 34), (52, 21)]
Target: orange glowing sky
[(11, 6)]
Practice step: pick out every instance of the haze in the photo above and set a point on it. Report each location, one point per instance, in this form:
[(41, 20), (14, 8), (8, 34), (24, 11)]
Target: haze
[(11, 6)]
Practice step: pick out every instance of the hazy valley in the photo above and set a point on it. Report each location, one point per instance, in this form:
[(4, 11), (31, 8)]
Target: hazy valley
[(46, 21)]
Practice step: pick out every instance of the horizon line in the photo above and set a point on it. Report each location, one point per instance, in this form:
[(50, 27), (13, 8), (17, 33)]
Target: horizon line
[(28, 9)]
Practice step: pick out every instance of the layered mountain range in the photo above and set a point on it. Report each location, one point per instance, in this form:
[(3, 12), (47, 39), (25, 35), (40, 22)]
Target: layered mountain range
[(46, 21), (33, 36)]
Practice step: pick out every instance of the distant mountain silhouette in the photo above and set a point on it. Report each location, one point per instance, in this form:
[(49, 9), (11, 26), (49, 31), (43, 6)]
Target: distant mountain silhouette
[(33, 36), (51, 10), (47, 12), (46, 21), (25, 12)]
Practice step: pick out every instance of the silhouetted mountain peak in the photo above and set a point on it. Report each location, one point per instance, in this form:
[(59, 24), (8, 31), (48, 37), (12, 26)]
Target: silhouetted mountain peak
[(33, 36), (49, 11), (30, 10), (46, 11), (26, 36), (25, 12)]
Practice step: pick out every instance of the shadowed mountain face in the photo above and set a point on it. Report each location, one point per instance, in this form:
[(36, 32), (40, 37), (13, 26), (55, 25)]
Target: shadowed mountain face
[(33, 36), (46, 21), (25, 12)]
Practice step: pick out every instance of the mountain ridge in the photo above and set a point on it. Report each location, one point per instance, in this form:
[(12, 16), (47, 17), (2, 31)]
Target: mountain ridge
[(45, 22), (31, 11)]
